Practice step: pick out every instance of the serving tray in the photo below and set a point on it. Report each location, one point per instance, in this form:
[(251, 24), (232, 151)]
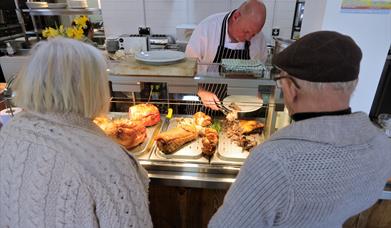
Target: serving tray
[(191, 151), (228, 152), (144, 147)]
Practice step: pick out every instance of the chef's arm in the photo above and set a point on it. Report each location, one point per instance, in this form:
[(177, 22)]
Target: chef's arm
[(192, 52), (208, 98), (196, 46)]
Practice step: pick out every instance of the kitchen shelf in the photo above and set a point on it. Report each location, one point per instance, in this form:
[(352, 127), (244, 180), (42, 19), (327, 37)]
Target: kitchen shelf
[(11, 37), (58, 12), (30, 33), (9, 27)]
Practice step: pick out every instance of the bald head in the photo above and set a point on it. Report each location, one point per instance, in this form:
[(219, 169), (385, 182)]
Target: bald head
[(247, 21), (255, 10)]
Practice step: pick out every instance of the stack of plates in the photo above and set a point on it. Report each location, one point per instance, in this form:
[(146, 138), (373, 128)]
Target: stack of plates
[(162, 57), (57, 5), (37, 5), (77, 4)]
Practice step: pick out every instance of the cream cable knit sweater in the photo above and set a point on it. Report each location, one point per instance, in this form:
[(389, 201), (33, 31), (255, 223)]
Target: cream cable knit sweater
[(62, 171), (315, 173)]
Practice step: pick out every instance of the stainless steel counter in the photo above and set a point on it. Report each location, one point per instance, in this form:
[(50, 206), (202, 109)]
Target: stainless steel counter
[(203, 176), (191, 175), (184, 172)]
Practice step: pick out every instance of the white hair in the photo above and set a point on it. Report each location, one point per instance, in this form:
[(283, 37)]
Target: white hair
[(64, 76), (344, 87), (314, 87)]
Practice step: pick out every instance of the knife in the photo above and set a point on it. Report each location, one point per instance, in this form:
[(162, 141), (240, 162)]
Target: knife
[(167, 119)]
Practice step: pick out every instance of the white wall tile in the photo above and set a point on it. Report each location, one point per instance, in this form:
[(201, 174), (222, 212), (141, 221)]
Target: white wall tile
[(122, 16), (283, 17), (162, 16), (267, 28), (236, 3), (200, 9)]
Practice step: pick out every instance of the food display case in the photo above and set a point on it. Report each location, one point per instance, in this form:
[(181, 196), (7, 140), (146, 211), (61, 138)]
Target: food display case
[(187, 186), (188, 166)]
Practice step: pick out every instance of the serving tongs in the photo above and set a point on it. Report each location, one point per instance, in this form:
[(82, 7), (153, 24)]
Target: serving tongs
[(222, 107)]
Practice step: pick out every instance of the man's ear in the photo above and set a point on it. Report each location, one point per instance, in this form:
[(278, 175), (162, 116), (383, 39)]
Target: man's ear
[(290, 91), (236, 15)]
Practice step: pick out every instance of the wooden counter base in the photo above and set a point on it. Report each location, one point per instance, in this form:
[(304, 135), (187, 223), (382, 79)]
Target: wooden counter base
[(179, 207), (173, 207)]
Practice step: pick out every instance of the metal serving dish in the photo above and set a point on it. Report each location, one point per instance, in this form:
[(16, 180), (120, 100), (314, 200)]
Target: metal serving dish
[(190, 152), (228, 152)]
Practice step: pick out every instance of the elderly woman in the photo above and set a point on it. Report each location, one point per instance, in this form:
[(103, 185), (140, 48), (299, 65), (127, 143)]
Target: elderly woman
[(57, 168)]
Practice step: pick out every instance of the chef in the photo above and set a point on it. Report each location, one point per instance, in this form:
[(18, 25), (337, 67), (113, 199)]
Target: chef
[(233, 35)]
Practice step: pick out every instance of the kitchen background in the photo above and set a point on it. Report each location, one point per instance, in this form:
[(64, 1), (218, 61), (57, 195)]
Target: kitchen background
[(163, 16), (372, 31)]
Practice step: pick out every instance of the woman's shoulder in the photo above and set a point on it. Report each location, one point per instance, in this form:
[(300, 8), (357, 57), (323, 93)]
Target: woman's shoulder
[(77, 139)]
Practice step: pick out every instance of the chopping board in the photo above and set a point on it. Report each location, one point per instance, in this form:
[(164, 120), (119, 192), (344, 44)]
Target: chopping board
[(130, 66)]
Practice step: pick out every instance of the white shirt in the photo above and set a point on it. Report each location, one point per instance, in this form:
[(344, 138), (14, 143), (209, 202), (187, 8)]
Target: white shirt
[(205, 39)]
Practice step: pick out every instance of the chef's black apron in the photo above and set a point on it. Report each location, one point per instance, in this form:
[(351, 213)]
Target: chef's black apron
[(222, 53)]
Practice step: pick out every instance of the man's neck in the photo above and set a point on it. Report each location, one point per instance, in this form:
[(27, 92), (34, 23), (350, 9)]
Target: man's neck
[(307, 115), (321, 102)]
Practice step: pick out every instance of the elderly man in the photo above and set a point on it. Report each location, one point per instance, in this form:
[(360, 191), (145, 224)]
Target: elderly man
[(325, 167), (233, 35)]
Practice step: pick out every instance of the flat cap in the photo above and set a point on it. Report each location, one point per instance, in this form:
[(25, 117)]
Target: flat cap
[(323, 56)]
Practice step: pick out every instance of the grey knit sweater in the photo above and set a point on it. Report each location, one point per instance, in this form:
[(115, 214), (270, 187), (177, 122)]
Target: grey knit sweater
[(314, 173), (62, 171)]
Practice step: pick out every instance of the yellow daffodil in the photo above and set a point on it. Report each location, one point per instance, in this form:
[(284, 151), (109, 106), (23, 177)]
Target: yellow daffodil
[(79, 33), (61, 30), (81, 21), (50, 32), (53, 32), (45, 32), (69, 32), (75, 32)]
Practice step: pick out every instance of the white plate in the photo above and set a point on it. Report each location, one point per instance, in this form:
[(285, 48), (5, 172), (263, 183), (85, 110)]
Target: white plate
[(160, 57), (57, 5), (245, 103)]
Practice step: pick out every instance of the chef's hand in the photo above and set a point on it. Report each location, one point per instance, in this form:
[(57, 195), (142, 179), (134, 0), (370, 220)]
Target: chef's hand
[(208, 99)]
